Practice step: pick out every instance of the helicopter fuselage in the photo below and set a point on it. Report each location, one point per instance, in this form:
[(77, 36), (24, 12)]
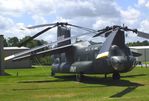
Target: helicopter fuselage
[(81, 58)]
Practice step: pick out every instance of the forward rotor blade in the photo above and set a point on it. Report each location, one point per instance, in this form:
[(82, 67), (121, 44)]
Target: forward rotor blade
[(36, 35), (104, 51), (142, 34), (38, 26), (62, 24)]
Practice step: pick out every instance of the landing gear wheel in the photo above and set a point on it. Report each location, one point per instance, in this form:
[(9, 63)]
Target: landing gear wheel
[(79, 77), (105, 76), (52, 73), (116, 76)]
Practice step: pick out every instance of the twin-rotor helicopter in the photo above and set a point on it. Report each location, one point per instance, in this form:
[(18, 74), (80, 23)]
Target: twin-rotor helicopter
[(83, 57)]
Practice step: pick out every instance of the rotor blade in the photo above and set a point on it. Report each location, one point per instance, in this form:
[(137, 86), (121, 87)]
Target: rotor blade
[(38, 26), (105, 33), (99, 33), (40, 47), (87, 29), (36, 35), (142, 34), (45, 52), (139, 33), (104, 51), (135, 54), (102, 31)]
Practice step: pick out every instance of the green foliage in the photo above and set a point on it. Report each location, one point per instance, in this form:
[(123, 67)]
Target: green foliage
[(32, 43), (5, 43), (36, 85), (45, 60), (138, 43), (13, 41)]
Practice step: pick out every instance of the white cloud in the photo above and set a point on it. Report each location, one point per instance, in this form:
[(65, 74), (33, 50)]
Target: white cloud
[(87, 8), (103, 22), (39, 19), (64, 8), (11, 7), (147, 4), (141, 2), (88, 13), (5, 23), (144, 25), (130, 16)]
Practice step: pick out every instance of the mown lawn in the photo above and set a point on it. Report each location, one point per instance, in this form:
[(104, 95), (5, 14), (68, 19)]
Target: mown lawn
[(36, 84)]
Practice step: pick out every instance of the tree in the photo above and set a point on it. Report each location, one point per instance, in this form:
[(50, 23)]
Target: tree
[(13, 41), (32, 43), (5, 43), (138, 43), (46, 60)]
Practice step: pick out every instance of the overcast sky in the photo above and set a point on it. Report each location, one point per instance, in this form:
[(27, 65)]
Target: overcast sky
[(95, 14)]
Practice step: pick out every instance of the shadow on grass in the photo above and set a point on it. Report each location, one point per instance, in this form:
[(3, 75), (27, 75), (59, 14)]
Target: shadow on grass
[(133, 75), (90, 80), (94, 80), (131, 86), (42, 81), (4, 74), (100, 80), (125, 91)]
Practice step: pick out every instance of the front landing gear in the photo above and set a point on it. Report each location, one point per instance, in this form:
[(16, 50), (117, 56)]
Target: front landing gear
[(79, 77), (116, 76)]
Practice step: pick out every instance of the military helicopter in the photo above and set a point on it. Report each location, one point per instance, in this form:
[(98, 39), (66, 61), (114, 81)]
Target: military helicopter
[(84, 57)]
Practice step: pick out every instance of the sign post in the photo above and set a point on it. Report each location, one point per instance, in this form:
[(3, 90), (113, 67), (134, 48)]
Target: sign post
[(1, 55)]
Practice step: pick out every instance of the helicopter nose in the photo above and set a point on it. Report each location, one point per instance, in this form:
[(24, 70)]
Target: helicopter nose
[(121, 63)]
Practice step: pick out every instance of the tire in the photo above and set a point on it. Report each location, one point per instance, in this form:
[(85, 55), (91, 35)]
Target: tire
[(52, 73), (79, 77), (116, 76)]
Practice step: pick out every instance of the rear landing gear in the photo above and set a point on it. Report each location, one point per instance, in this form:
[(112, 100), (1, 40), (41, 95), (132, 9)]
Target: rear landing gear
[(52, 73), (116, 76), (79, 77)]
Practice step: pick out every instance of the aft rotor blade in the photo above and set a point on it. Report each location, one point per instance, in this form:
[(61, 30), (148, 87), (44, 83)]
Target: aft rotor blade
[(84, 28), (36, 35), (45, 52), (143, 35), (104, 51), (99, 33), (40, 47), (38, 26), (102, 31)]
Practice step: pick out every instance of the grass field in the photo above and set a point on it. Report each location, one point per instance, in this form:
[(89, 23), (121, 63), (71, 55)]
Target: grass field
[(36, 85)]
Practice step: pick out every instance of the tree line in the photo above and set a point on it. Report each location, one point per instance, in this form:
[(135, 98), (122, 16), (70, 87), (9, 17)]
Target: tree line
[(14, 42), (138, 43)]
